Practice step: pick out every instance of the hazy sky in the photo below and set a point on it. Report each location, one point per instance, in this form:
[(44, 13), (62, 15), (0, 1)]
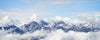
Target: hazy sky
[(49, 8)]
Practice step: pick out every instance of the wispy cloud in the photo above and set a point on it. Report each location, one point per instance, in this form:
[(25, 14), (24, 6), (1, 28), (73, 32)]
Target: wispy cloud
[(91, 13), (15, 13), (47, 3)]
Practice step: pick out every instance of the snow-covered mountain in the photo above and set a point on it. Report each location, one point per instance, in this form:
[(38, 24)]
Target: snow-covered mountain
[(46, 26), (34, 23)]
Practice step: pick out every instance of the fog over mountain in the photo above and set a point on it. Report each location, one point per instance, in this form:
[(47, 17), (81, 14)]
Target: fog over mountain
[(57, 28)]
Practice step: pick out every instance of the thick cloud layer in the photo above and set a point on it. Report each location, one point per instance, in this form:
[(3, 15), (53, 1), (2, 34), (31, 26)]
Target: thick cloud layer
[(56, 35)]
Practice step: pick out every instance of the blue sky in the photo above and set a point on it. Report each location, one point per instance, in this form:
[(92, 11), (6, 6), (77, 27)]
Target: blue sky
[(49, 8)]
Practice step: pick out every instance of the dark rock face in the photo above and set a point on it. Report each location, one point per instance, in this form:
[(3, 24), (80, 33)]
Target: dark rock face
[(33, 26), (43, 23), (12, 29)]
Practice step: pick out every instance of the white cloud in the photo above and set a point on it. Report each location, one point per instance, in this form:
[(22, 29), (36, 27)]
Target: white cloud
[(36, 8), (91, 13), (15, 13), (55, 35), (41, 5)]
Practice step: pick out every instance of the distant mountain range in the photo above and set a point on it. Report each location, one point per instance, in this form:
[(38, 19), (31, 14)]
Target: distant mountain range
[(32, 24)]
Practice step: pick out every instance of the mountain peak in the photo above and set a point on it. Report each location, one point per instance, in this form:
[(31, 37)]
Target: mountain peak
[(34, 16)]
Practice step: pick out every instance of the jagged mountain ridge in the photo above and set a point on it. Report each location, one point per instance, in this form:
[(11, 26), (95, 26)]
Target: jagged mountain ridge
[(65, 24)]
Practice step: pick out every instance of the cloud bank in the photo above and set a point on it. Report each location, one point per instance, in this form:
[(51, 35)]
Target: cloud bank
[(58, 28)]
